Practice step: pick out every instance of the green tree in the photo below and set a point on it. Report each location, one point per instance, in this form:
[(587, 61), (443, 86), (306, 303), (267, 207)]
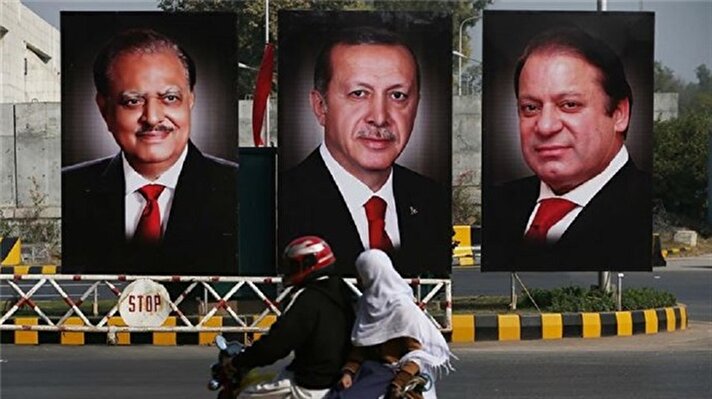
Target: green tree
[(680, 163), (665, 80), (251, 20), (704, 78), (693, 96), (697, 97)]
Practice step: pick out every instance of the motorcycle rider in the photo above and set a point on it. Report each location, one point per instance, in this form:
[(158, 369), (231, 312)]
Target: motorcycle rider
[(316, 325)]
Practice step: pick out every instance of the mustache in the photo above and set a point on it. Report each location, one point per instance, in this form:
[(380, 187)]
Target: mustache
[(156, 129), (378, 133)]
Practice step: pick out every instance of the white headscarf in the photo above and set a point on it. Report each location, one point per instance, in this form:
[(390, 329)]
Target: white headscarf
[(386, 310)]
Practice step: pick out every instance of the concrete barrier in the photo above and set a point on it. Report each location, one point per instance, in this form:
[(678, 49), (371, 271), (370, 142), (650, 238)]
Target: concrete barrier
[(515, 327), (32, 337), (467, 328)]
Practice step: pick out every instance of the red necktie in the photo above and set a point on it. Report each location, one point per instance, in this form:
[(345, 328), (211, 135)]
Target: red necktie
[(550, 211), (149, 226), (375, 213)]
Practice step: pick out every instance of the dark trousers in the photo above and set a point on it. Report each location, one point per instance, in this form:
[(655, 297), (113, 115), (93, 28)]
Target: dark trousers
[(371, 382)]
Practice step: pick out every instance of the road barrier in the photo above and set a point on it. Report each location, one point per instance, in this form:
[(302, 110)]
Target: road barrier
[(466, 245), (74, 327), (674, 251), (11, 259), (26, 269), (10, 251), (515, 327)]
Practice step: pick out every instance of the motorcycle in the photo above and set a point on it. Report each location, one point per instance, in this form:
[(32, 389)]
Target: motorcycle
[(229, 385)]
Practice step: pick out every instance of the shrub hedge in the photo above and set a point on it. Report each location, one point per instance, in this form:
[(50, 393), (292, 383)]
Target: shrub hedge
[(578, 299)]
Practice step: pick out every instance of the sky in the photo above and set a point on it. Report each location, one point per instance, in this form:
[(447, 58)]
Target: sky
[(683, 28)]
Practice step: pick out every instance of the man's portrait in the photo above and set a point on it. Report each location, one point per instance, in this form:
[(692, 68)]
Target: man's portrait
[(364, 136), (160, 198), (568, 187)]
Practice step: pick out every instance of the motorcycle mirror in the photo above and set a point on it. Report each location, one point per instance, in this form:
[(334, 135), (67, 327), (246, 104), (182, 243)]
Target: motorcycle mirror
[(221, 342)]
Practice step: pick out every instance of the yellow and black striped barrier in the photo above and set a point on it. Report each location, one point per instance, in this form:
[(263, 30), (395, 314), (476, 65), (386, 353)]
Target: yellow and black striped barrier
[(463, 241), (32, 337), (675, 251), (11, 259), (515, 327), (27, 269), (10, 251), (466, 328)]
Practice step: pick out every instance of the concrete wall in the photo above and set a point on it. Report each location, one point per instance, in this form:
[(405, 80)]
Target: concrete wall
[(467, 146), (30, 163), (38, 155), (7, 157), (29, 56), (665, 106), (245, 123)]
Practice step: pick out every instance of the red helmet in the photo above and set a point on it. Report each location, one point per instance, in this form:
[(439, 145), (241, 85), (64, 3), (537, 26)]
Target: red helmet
[(304, 257)]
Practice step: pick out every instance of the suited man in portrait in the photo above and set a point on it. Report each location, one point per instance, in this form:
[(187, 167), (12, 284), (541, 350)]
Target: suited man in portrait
[(349, 190), (588, 206), (159, 206)]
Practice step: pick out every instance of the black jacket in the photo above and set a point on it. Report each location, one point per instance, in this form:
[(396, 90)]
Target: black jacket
[(317, 327), (613, 232), (201, 236), (310, 203)]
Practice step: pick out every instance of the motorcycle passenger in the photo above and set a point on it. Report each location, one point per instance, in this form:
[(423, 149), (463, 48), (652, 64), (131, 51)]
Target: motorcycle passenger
[(315, 326), (393, 340)]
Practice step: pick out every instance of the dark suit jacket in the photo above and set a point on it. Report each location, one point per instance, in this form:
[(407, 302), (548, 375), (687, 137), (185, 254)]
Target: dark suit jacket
[(613, 232), (310, 204), (200, 238)]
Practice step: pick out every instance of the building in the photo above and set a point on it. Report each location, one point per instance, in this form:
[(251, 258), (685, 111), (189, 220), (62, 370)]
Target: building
[(29, 56)]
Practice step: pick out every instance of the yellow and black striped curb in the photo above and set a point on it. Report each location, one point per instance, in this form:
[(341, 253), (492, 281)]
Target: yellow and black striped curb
[(10, 251), (30, 337), (466, 328), (29, 269), (11, 259), (672, 251), (515, 327)]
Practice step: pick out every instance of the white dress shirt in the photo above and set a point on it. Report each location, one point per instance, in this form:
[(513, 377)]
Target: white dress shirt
[(135, 202), (355, 193), (581, 196)]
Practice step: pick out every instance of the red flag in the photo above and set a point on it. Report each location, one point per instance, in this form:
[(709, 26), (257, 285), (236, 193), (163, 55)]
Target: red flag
[(262, 90)]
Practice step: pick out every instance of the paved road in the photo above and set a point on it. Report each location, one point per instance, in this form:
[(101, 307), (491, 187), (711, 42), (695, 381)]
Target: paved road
[(689, 279), (670, 365)]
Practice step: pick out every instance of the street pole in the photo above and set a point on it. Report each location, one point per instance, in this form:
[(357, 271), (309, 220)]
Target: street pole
[(709, 182), (459, 58), (267, 138), (604, 278)]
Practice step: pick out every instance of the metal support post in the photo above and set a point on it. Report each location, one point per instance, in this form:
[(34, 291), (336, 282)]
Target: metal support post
[(604, 281), (95, 305), (619, 293), (513, 291)]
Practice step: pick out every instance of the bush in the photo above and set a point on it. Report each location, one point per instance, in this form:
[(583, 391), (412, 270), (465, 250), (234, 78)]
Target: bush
[(646, 298), (680, 164), (577, 299)]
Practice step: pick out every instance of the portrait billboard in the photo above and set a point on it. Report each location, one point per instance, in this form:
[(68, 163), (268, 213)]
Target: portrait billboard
[(365, 110), (149, 143), (567, 121)]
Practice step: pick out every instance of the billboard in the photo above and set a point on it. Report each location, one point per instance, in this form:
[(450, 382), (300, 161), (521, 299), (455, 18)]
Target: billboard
[(149, 143), (365, 110), (567, 141)]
